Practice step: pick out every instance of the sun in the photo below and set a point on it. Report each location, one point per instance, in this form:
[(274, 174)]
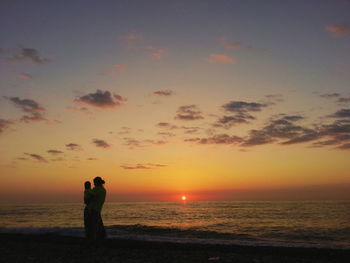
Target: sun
[(183, 198)]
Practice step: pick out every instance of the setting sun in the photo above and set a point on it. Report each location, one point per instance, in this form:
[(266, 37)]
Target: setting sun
[(183, 198)]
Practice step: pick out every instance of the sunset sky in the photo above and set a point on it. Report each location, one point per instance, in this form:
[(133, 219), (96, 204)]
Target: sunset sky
[(215, 100)]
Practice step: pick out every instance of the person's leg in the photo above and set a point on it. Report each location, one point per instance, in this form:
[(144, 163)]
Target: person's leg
[(101, 228), (87, 223)]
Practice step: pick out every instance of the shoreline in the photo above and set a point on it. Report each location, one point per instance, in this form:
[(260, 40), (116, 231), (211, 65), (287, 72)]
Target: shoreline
[(53, 248)]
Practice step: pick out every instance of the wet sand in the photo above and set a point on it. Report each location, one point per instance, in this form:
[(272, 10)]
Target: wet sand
[(50, 248)]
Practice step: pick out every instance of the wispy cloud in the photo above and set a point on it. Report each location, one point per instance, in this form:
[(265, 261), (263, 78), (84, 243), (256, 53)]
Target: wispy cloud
[(338, 30), (24, 76), (188, 113), (33, 108), (36, 157), (156, 52), (101, 143), (54, 152), (330, 95), (243, 107), (73, 147), (242, 113), (133, 143), (343, 113), (219, 58), (116, 70), (141, 166), (224, 40), (4, 124), (101, 99), (132, 36), (163, 93), (28, 54), (217, 139)]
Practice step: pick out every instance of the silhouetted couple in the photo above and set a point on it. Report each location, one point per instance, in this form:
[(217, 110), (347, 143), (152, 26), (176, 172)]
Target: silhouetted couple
[(94, 199)]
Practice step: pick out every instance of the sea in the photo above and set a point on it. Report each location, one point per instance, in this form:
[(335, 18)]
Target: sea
[(323, 224)]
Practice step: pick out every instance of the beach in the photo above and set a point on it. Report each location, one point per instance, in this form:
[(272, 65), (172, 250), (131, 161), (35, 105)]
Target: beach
[(52, 248)]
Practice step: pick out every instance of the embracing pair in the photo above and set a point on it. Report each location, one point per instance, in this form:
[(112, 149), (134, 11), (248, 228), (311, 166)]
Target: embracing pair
[(94, 199)]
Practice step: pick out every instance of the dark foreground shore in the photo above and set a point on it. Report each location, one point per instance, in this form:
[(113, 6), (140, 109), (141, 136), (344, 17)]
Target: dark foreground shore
[(49, 248)]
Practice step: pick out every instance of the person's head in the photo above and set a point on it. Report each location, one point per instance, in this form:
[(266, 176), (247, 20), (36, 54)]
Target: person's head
[(87, 185), (98, 181)]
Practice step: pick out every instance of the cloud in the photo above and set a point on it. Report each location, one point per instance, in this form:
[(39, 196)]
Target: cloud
[(163, 93), (343, 113), (4, 124), (344, 146), (217, 139), (338, 30), (243, 107), (257, 137), (282, 128), (229, 121), (188, 113), (73, 147), (166, 134), (30, 106), (26, 105), (166, 125), (132, 37), (330, 95), (234, 45), (156, 53), (28, 54), (117, 70), (125, 130), (80, 109), (273, 98), (34, 117), (141, 166), (25, 76), (238, 45), (241, 110), (219, 58), (343, 100), (135, 143), (54, 152), (101, 99), (36, 157), (101, 143), (309, 135)]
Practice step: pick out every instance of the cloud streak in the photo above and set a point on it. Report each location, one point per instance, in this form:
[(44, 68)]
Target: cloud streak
[(163, 93), (36, 157), (141, 166), (340, 30)]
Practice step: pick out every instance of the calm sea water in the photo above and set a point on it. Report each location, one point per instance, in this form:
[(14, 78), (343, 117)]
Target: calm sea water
[(324, 223)]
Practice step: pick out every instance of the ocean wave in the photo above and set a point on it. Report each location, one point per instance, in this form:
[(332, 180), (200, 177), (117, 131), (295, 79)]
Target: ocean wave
[(171, 235)]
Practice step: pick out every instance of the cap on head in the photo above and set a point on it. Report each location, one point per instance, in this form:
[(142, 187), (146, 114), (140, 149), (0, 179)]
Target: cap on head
[(98, 181)]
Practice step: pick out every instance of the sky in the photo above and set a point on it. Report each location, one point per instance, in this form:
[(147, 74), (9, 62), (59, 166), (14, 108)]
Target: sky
[(215, 100)]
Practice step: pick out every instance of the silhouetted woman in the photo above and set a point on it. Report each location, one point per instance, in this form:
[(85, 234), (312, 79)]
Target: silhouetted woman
[(98, 196)]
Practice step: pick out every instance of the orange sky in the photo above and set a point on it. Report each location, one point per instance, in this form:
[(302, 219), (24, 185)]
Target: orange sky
[(210, 100)]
